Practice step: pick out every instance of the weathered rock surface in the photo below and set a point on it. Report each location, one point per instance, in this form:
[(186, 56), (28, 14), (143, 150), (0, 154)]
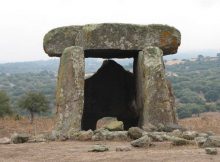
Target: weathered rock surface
[(200, 141), (70, 90), (37, 138), (135, 132), (99, 148), (189, 135), (104, 134), (115, 126), (211, 151), (144, 141), (123, 148), (158, 105), (212, 141), (101, 123), (19, 138), (85, 135), (5, 140), (112, 36)]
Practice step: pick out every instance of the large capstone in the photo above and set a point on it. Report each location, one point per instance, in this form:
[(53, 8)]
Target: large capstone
[(110, 92), (112, 36)]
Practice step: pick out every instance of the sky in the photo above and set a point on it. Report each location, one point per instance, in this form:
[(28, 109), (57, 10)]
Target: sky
[(25, 22)]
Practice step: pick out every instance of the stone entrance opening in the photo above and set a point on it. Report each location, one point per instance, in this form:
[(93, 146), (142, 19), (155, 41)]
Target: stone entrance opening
[(110, 92)]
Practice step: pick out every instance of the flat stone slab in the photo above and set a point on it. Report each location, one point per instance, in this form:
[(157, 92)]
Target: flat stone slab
[(103, 37)]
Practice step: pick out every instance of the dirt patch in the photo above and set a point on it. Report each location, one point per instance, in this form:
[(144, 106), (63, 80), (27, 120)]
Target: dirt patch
[(78, 152)]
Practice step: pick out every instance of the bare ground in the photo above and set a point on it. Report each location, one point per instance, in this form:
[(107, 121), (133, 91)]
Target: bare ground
[(76, 151)]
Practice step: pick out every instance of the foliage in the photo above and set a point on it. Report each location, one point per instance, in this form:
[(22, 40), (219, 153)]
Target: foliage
[(33, 102), (5, 108), (196, 85)]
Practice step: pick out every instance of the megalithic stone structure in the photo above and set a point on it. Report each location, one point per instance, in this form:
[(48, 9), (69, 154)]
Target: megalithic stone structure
[(150, 99)]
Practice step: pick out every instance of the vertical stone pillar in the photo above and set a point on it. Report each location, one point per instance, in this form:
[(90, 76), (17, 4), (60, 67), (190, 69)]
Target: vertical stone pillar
[(70, 90), (154, 100)]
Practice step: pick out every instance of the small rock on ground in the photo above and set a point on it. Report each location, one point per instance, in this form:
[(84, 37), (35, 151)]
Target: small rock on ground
[(135, 133), (5, 140), (123, 148), (211, 151), (144, 141), (99, 148)]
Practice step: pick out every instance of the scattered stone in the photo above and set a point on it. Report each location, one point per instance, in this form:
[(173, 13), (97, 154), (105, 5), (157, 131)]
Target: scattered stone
[(144, 141), (100, 134), (19, 138), (200, 141), (135, 132), (85, 135), (149, 127), (210, 133), (211, 151), (5, 140), (189, 135), (203, 135), (104, 134), (177, 133), (115, 126), (177, 141), (99, 148), (171, 127), (156, 136), (212, 141), (160, 127), (37, 138), (103, 122), (123, 148)]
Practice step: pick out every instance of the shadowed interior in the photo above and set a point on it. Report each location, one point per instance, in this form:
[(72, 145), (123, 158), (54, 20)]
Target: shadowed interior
[(110, 92)]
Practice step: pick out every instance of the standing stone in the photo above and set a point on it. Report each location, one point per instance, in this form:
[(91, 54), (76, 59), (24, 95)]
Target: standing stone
[(154, 95), (70, 90)]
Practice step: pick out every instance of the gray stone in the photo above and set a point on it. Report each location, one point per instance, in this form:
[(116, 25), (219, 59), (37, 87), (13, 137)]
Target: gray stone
[(19, 138), (123, 148), (189, 135), (5, 140), (211, 151), (104, 134), (135, 132), (155, 136), (157, 106), (203, 135), (70, 90), (112, 36), (85, 135), (177, 133), (37, 138), (200, 141), (173, 126), (115, 126), (177, 141), (101, 123), (144, 141), (212, 141), (99, 148)]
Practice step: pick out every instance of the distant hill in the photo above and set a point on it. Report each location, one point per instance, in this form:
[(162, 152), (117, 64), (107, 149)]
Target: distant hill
[(52, 65)]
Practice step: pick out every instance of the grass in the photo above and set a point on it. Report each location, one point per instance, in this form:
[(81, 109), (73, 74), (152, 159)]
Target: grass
[(8, 125), (206, 122)]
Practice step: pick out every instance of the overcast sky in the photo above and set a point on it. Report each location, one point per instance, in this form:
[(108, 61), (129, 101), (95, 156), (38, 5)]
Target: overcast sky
[(24, 22)]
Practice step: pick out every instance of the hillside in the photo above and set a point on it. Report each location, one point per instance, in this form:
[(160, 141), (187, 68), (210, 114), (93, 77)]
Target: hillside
[(195, 82)]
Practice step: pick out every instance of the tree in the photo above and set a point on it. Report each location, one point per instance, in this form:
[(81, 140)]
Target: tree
[(212, 95), (34, 102), (5, 108)]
